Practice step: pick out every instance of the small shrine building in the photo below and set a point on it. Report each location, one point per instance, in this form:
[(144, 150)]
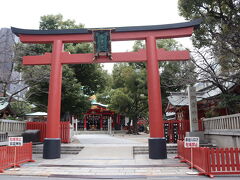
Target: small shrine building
[(99, 118)]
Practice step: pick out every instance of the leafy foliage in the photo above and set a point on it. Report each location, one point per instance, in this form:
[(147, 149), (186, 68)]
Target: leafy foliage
[(217, 53), (230, 102), (57, 22), (20, 108), (219, 29), (129, 94)]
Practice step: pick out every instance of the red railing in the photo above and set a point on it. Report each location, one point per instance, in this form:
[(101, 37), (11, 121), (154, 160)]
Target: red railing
[(209, 161), (39, 126), (64, 133), (11, 156)]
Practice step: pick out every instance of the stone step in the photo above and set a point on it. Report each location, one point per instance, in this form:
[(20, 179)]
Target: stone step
[(38, 149), (62, 152), (171, 149), (63, 148), (146, 152), (143, 148), (146, 147)]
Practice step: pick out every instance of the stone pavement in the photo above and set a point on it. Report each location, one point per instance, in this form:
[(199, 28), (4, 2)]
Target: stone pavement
[(103, 156)]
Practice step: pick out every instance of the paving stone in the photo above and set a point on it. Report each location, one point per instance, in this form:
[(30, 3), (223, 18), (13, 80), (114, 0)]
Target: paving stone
[(105, 151)]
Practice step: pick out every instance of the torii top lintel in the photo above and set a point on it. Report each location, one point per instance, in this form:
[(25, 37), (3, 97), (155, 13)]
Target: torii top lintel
[(119, 34), (176, 30)]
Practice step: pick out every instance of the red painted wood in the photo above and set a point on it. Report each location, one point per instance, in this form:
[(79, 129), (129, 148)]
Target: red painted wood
[(207, 164), (154, 92), (232, 159), (120, 36), (223, 164), (42, 126), (211, 161), (24, 154), (218, 160), (65, 132), (213, 166), (237, 151), (140, 56), (227, 151), (55, 90), (38, 60)]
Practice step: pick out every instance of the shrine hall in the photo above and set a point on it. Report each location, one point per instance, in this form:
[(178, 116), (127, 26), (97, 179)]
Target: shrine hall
[(99, 117)]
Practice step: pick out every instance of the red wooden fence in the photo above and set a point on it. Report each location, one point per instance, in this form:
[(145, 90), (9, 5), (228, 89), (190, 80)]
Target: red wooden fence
[(40, 126), (209, 161), (64, 133), (7, 155)]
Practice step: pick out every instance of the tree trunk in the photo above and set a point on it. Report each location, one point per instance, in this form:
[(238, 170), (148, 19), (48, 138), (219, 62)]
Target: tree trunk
[(135, 126), (129, 126), (5, 90)]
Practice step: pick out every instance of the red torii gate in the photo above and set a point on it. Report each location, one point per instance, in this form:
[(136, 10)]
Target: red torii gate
[(151, 55)]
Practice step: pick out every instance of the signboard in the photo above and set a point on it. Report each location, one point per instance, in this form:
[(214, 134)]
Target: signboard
[(191, 142), (102, 43), (15, 141), (193, 112)]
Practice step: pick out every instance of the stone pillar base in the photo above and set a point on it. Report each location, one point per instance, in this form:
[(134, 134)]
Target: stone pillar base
[(157, 148), (52, 148)]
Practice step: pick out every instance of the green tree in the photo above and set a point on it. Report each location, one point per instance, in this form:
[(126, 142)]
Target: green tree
[(92, 77), (57, 22), (217, 53), (129, 94), (219, 29), (208, 70), (20, 108)]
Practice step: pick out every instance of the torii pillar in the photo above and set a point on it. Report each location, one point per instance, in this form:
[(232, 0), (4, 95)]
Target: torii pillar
[(157, 142), (151, 55)]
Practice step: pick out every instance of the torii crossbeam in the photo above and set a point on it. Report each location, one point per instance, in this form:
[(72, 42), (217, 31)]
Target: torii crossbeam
[(151, 55)]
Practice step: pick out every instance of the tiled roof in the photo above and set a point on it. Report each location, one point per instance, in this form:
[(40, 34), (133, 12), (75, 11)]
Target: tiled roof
[(181, 98)]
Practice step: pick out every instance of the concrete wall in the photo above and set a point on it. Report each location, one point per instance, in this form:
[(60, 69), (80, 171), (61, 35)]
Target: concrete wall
[(224, 131), (223, 139)]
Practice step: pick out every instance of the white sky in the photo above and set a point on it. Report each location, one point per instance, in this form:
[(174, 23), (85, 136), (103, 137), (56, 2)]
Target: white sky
[(93, 13)]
